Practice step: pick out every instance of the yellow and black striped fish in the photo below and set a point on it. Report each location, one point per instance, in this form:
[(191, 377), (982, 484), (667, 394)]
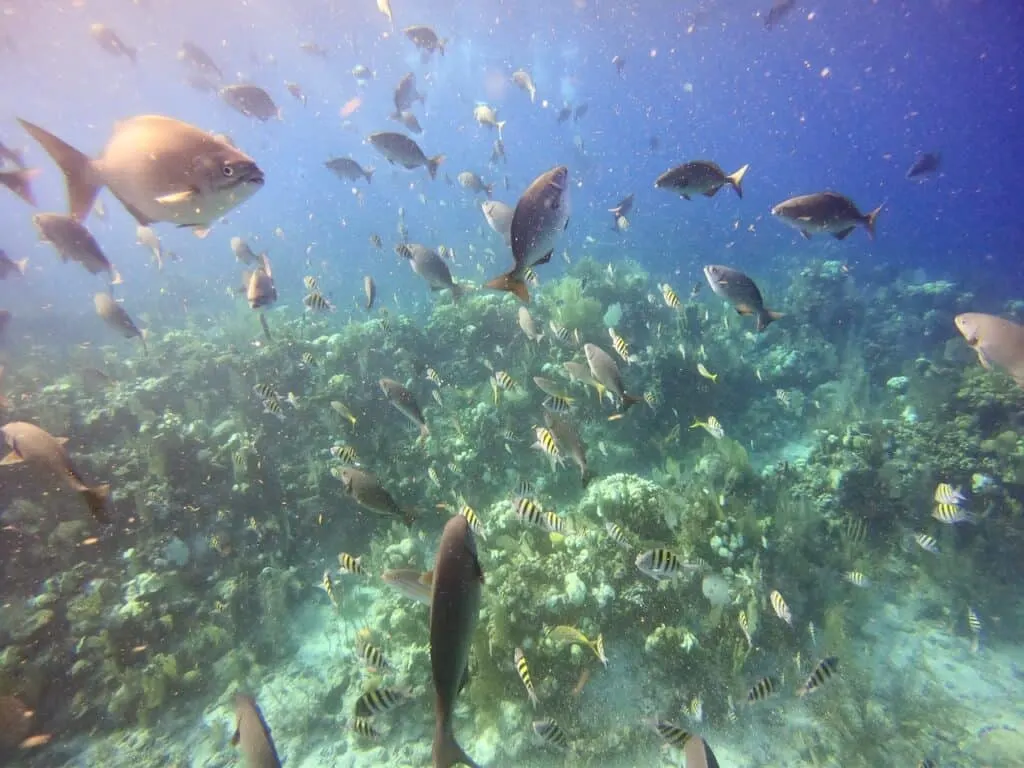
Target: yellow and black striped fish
[(546, 443), (551, 733), (927, 543), (528, 510), (779, 606), (311, 283), (951, 514), (763, 688), (308, 360), (345, 453), (273, 405), (857, 578), (504, 381), (328, 586), (670, 296), (524, 674), (351, 564), (672, 734), (559, 331), (373, 656), (617, 535), (825, 669), (531, 277), (553, 523), (432, 474), (363, 726), (434, 376), (660, 564), (973, 622), (947, 494), (474, 521), (620, 346), (266, 391), (317, 302), (556, 404), (379, 701)]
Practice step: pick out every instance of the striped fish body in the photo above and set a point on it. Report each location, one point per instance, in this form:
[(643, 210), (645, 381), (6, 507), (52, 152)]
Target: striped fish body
[(363, 726), (556, 404), (524, 488), (779, 606), (310, 283), (670, 296), (947, 494), (857, 578), (825, 670), (524, 674), (552, 523), (927, 543), (474, 521), (373, 656), (528, 510), (345, 453), (672, 734), (547, 444), (617, 535), (504, 381), (620, 346), (973, 622), (951, 514), (763, 688), (551, 733), (380, 700), (351, 564), (660, 564), (317, 302)]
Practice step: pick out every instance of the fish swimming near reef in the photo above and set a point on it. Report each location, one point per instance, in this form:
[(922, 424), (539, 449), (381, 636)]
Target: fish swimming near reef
[(499, 218), (998, 343), (161, 169), (540, 217), (825, 212), (368, 492), (73, 242), (429, 265), (454, 610), (405, 401), (114, 315), (416, 585), (252, 734), (260, 290), (700, 177), (32, 445), (606, 372), (740, 291)]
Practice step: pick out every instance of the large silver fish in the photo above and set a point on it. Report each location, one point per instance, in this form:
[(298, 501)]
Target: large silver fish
[(606, 373), (540, 217), (405, 402), (401, 150), (825, 212), (454, 609), (426, 263), (161, 169), (740, 291)]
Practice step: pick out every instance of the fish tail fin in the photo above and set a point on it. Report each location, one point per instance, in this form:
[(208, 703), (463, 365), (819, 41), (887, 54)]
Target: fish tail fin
[(509, 282), (76, 167), (97, 497), (629, 401), (766, 317), (433, 163), (736, 179), (21, 265), (447, 751), (368, 173), (869, 220), (19, 182)]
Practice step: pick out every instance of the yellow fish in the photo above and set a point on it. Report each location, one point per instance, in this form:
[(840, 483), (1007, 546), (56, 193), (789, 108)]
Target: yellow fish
[(343, 411), (712, 426), (570, 635), (713, 377)]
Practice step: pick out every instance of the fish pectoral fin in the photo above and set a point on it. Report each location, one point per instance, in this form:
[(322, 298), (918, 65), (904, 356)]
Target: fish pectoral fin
[(11, 458), (138, 215), (177, 198), (743, 309), (545, 258), (842, 235), (982, 358)]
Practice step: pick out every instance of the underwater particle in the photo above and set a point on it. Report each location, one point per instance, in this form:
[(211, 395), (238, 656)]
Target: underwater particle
[(377, 701), (651, 399), (363, 726), (546, 444), (524, 674), (712, 426), (780, 607), (951, 514), (376, 242), (252, 734), (327, 585), (528, 510), (416, 585), (551, 733), (617, 535), (947, 494), (405, 402), (927, 543), (703, 371), (566, 635), (857, 578), (763, 689), (559, 331), (822, 672), (523, 487), (672, 734), (660, 564), (351, 564), (73, 242), (620, 346)]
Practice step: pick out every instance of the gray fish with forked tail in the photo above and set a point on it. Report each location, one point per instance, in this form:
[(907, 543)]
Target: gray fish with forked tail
[(454, 609), (827, 212), (30, 444), (252, 734), (405, 402), (740, 291), (399, 149), (368, 492), (73, 242), (426, 263), (114, 315), (700, 177), (606, 373)]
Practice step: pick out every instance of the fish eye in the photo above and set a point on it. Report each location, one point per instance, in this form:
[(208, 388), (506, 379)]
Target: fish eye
[(228, 171)]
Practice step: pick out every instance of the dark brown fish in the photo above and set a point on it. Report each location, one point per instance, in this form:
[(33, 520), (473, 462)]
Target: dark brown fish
[(401, 150), (740, 291), (700, 177), (347, 169), (199, 60), (252, 734), (405, 401), (827, 212), (73, 242), (30, 444), (406, 94), (454, 610), (425, 39), (114, 315), (779, 10), (623, 208), (251, 101), (429, 265), (368, 492)]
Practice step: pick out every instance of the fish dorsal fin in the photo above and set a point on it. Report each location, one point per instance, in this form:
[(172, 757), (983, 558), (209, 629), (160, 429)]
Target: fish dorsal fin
[(62, 441)]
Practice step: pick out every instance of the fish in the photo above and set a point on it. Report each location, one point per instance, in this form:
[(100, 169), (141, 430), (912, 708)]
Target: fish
[(566, 635), (250, 100), (347, 169), (569, 441), (998, 343), (19, 181), (951, 514), (344, 453), (434, 377), (114, 315), (763, 689), (145, 236), (617, 535), (857, 578), (825, 212), (651, 399), (503, 381), (485, 115), (401, 150), (523, 488), (112, 43), (199, 60), (622, 208), (780, 607), (368, 492), (406, 94), (35, 446), (580, 112), (740, 291), (408, 119), (252, 734), (474, 521), (384, 6), (563, 114), (561, 333), (370, 291), (498, 155), (469, 180), (712, 426), (317, 302), (529, 326), (547, 444), (351, 564), (327, 585), (605, 372), (376, 241), (416, 585), (363, 726), (311, 283), (661, 564), (670, 297), (558, 405), (551, 733), (9, 266), (528, 510), (373, 656), (705, 373), (823, 671), (405, 401), (925, 164), (779, 10), (700, 177), (926, 542), (73, 242), (429, 265), (454, 611), (425, 39), (362, 74), (672, 734), (260, 290), (243, 253), (13, 155), (539, 218), (524, 674), (160, 169), (620, 346), (377, 701), (619, 63), (947, 494)]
